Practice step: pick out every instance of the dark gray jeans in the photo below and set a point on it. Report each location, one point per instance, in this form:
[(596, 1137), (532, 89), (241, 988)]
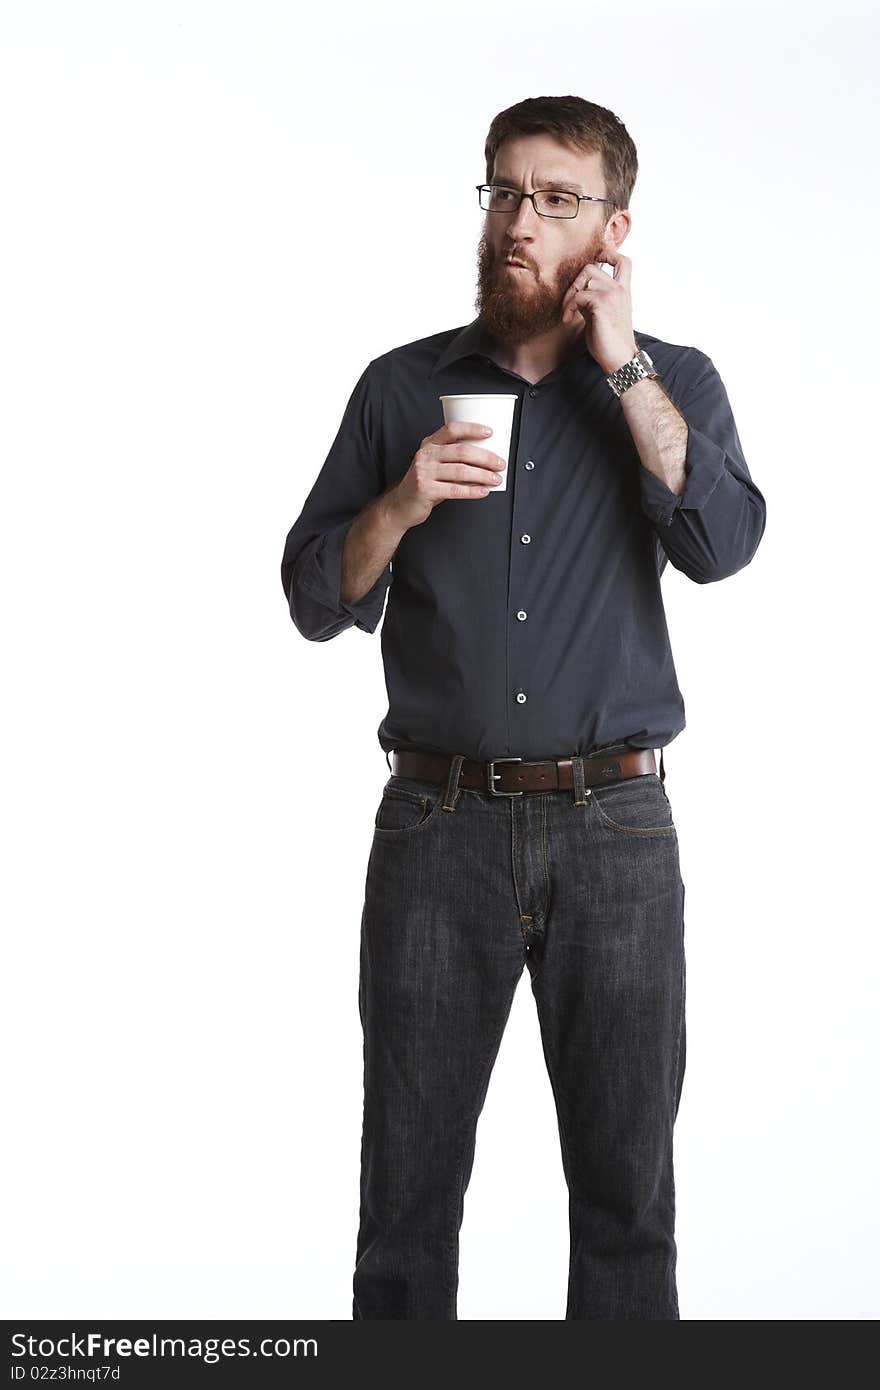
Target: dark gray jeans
[(586, 891)]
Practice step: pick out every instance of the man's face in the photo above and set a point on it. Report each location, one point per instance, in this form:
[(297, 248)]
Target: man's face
[(517, 305)]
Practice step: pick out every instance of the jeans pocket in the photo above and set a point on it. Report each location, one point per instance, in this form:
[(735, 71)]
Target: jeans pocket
[(634, 806), (406, 805)]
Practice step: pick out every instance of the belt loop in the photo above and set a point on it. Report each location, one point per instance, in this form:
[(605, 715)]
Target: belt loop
[(453, 791), (388, 761), (577, 768), (662, 769)]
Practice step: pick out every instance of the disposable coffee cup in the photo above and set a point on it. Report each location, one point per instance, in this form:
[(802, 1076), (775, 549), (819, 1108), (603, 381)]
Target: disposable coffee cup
[(494, 411)]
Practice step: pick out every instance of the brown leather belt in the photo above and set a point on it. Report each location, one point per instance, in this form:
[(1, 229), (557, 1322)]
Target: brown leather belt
[(513, 776)]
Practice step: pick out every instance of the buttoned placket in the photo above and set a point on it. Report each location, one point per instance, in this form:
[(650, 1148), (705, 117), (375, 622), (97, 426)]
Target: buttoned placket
[(518, 576), (522, 506)]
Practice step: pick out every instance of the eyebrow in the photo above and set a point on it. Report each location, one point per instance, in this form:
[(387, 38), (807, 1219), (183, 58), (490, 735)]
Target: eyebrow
[(562, 184)]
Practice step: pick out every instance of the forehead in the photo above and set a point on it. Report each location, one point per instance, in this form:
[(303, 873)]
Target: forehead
[(546, 161)]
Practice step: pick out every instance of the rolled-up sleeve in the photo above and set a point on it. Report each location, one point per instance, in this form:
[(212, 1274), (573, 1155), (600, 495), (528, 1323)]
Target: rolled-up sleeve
[(713, 527), (352, 475)]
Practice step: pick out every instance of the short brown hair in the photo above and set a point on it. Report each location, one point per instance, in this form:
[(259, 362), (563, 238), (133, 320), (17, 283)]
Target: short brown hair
[(588, 127)]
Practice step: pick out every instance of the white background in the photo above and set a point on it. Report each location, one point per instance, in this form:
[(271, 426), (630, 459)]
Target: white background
[(183, 881)]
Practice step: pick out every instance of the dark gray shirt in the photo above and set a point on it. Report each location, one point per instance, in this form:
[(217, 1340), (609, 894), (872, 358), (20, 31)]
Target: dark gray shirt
[(529, 622)]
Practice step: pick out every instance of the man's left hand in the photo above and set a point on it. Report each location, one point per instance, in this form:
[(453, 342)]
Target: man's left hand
[(605, 308)]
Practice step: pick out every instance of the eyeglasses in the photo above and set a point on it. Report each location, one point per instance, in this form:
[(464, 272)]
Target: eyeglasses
[(547, 202)]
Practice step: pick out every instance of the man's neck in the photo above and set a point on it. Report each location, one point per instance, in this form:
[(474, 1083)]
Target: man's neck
[(537, 358)]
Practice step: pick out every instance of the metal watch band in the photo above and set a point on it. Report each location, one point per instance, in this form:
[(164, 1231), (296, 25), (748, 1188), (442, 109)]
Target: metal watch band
[(637, 369)]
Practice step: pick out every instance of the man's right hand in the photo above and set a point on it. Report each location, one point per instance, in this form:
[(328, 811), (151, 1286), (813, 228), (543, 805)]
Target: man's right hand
[(445, 465)]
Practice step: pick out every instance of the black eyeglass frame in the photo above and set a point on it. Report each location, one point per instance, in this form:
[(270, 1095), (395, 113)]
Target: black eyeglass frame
[(581, 197)]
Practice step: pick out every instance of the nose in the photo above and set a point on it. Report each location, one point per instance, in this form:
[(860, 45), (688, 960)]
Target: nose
[(522, 225)]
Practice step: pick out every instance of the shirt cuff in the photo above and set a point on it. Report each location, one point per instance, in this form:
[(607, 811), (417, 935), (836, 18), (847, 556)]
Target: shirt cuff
[(704, 465), (323, 578)]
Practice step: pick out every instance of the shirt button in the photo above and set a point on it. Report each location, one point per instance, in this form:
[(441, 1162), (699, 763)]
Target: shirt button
[(522, 615), (530, 465), (520, 697), (533, 392), (525, 539)]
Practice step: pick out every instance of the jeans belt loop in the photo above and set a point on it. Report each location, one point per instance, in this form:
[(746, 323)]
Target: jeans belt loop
[(577, 768), (453, 790)]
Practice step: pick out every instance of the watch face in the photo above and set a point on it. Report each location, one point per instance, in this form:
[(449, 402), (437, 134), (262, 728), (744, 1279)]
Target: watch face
[(646, 360)]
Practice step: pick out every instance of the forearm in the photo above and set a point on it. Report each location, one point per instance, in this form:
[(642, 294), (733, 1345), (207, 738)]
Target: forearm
[(659, 432), (370, 545)]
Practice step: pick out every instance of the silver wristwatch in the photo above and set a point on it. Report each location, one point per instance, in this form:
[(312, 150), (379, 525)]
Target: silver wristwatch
[(631, 372)]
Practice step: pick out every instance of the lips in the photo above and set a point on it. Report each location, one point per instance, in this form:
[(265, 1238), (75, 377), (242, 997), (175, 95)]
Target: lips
[(517, 263)]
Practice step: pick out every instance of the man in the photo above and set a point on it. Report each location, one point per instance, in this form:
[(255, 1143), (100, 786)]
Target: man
[(530, 678)]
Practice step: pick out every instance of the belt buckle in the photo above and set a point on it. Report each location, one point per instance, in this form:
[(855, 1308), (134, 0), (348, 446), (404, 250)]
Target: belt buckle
[(493, 775)]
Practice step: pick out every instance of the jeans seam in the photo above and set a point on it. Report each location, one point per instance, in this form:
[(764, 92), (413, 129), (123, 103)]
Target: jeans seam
[(546, 907), (562, 1114), (472, 1119), (680, 996), (675, 1083), (513, 847)]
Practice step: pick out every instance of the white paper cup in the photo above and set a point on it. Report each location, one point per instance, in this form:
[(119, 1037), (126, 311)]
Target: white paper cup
[(494, 411)]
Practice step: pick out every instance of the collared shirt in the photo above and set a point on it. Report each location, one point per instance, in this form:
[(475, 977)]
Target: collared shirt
[(530, 622)]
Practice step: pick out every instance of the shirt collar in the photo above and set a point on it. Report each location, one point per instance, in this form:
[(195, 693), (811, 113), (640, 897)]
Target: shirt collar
[(475, 339)]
